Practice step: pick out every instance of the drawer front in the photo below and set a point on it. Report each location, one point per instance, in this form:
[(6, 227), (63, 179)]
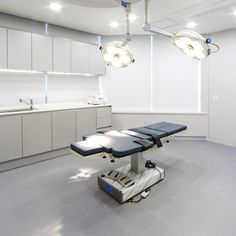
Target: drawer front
[(86, 122), (103, 122), (103, 112), (105, 129)]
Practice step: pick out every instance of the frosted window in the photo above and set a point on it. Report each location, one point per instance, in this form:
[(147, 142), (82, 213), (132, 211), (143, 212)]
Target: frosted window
[(175, 79)]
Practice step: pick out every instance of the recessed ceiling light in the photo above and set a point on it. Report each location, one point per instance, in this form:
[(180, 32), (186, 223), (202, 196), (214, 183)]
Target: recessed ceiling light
[(132, 17), (191, 25), (114, 24), (234, 12), (54, 6)]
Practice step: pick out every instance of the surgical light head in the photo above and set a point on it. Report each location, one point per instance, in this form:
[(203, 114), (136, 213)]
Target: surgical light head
[(117, 54), (192, 44), (189, 42)]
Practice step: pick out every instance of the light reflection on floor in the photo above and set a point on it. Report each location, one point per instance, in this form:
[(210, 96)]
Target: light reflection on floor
[(82, 174), (53, 229)]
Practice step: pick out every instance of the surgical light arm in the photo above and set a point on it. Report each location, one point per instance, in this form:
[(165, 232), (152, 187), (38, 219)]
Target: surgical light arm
[(148, 27), (152, 29)]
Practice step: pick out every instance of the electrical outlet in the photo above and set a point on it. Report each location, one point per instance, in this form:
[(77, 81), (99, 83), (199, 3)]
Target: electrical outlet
[(215, 98)]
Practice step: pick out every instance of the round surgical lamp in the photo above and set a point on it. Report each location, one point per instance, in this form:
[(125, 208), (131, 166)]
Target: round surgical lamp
[(189, 42), (193, 44), (117, 54)]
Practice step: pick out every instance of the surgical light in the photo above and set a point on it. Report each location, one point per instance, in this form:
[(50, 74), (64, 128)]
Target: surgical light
[(189, 42), (117, 54), (192, 44)]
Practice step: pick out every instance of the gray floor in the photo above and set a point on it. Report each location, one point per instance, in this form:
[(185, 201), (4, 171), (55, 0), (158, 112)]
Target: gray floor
[(55, 198)]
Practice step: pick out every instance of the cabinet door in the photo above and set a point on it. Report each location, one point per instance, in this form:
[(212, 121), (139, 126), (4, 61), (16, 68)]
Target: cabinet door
[(63, 129), (104, 117), (41, 52), (86, 122), (36, 133), (19, 50), (61, 55), (79, 57), (3, 48), (11, 138), (97, 64)]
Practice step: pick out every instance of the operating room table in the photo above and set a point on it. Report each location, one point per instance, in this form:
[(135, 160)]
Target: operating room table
[(127, 181)]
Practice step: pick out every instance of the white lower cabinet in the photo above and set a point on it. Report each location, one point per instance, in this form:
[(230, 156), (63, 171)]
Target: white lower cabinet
[(10, 138), (86, 122), (3, 48), (63, 129), (104, 117), (37, 133)]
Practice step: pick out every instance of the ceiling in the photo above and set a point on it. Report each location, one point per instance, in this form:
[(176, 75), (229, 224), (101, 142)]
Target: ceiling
[(172, 15)]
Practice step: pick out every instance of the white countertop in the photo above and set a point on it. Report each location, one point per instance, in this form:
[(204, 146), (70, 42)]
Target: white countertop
[(46, 107)]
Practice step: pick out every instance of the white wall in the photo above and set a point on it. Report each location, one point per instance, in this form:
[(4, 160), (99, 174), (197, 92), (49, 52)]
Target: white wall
[(129, 88), (222, 84), (162, 79), (60, 88), (197, 123), (20, 23), (66, 89), (14, 86), (175, 79), (160, 84)]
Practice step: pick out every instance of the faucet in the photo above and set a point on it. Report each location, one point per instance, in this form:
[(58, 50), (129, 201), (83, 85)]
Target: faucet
[(29, 102)]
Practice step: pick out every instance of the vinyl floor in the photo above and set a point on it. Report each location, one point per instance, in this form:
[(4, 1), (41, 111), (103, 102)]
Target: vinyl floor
[(60, 197)]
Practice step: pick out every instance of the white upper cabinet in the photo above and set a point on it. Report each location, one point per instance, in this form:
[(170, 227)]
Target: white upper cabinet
[(26, 51), (97, 64), (79, 57), (19, 50), (41, 52), (3, 48), (61, 55)]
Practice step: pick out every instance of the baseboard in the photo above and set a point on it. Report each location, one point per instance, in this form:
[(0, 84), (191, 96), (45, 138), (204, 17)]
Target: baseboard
[(189, 138), (33, 159), (221, 142)]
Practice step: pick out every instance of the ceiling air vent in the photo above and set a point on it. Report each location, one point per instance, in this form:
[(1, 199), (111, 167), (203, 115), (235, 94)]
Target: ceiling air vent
[(165, 23), (203, 8)]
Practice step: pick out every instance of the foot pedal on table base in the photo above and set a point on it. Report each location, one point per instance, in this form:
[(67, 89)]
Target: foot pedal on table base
[(138, 181)]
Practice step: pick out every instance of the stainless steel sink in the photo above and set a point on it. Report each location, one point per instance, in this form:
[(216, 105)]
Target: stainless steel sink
[(16, 108)]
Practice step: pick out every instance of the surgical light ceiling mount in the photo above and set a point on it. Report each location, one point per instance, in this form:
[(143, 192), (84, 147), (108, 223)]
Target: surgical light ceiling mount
[(99, 3), (117, 53), (189, 42)]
